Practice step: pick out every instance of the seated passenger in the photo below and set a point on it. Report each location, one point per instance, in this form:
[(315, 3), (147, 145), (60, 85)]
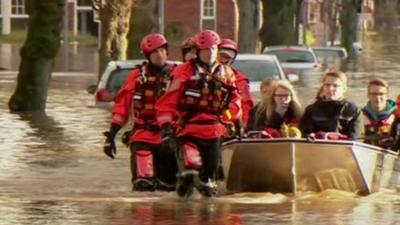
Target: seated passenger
[(331, 112), (258, 115), (379, 115), (283, 112)]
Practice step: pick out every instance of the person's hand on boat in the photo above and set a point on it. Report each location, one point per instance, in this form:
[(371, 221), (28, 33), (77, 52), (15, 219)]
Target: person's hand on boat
[(327, 136), (270, 133)]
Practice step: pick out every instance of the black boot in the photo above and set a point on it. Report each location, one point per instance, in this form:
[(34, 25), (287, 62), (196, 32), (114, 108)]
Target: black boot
[(186, 181), (208, 189), (164, 186), (142, 184)]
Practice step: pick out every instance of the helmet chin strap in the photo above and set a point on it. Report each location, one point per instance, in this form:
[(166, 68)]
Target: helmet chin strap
[(158, 70)]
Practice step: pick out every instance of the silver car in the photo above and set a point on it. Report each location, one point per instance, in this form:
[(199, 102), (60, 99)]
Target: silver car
[(295, 59), (113, 77), (259, 67), (330, 56)]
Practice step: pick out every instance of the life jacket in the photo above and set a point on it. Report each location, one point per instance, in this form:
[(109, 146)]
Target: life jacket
[(378, 132), (150, 88), (207, 92)]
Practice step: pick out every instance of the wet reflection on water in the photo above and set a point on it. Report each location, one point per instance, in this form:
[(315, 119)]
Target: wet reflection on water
[(330, 207)]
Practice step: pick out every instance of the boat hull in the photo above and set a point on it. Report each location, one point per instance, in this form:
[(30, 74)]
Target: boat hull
[(299, 165)]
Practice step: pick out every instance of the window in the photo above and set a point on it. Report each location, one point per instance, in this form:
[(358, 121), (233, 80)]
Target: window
[(18, 7), (208, 9), (313, 9), (208, 14), (84, 3)]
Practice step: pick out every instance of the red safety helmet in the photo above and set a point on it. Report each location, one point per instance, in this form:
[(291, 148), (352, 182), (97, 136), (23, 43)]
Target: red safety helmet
[(151, 42), (206, 39), (229, 44)]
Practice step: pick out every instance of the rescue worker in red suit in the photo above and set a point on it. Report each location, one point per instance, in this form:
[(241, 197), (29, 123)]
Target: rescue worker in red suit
[(152, 166), (228, 50), (202, 91)]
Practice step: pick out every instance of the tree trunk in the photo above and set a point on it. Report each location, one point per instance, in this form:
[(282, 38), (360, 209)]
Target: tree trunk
[(143, 21), (250, 21), (300, 20), (37, 55), (115, 18), (348, 22), (278, 22)]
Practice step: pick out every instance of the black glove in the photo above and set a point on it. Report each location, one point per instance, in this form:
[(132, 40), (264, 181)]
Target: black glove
[(168, 140), (125, 137), (166, 131), (109, 147)]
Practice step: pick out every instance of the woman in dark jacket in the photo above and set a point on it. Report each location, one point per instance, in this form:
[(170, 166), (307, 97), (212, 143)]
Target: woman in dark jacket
[(331, 112)]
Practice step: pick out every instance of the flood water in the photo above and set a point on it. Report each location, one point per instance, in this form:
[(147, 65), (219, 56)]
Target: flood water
[(53, 170)]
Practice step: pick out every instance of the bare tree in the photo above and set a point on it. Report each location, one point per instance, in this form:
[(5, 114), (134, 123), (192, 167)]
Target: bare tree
[(279, 18), (144, 20), (114, 17), (348, 22), (250, 17)]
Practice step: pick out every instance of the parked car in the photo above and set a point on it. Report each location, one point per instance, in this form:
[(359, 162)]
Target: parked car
[(330, 56), (112, 79), (259, 67), (294, 59)]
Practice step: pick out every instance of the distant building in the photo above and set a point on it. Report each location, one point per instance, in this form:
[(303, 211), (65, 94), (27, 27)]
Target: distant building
[(80, 16), (191, 16)]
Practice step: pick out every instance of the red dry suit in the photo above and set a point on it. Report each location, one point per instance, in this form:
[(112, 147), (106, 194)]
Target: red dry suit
[(242, 84), (138, 96), (200, 98)]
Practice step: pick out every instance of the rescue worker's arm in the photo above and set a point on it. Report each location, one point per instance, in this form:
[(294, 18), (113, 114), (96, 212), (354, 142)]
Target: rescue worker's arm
[(120, 113), (242, 84), (122, 103)]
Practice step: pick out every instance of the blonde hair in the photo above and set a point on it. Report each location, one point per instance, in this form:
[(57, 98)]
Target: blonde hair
[(294, 103), (266, 83)]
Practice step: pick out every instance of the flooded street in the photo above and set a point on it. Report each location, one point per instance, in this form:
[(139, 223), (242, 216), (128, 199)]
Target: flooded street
[(53, 170)]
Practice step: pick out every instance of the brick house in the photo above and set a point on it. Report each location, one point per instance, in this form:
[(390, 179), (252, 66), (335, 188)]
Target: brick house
[(191, 16), (182, 19), (80, 16)]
